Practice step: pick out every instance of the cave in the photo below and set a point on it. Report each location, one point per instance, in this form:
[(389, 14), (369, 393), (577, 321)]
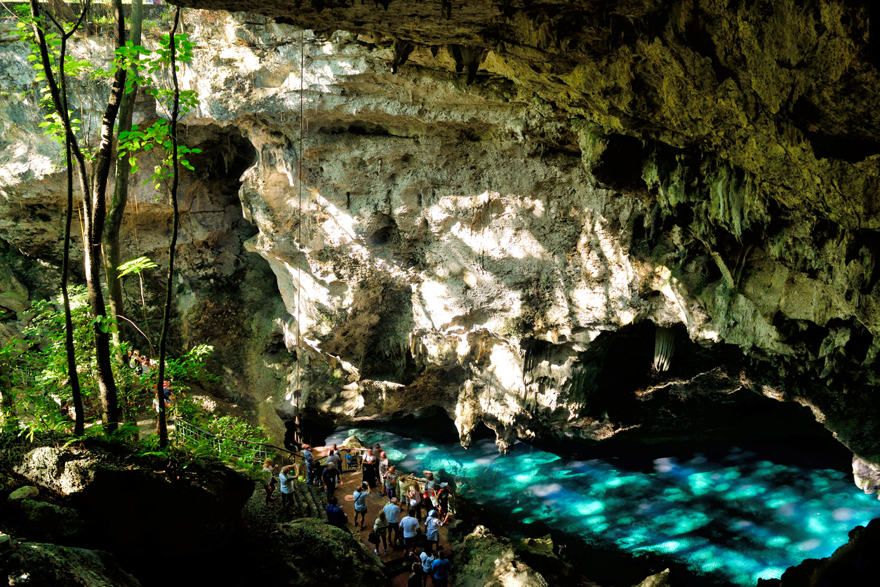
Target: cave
[(609, 271)]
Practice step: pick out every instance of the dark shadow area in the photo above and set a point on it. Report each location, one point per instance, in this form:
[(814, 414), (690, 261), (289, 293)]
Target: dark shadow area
[(620, 164)]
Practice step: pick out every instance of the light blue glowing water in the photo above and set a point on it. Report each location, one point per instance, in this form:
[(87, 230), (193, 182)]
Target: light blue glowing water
[(738, 515)]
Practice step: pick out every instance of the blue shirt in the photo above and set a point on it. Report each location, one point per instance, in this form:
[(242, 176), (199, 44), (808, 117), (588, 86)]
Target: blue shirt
[(307, 455), (284, 483), (440, 568), (432, 529), (410, 527), (360, 500), (391, 512)]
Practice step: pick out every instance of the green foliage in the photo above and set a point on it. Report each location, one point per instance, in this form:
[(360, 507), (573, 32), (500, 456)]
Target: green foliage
[(191, 368), (149, 70), (231, 439), (33, 370), (35, 365), (157, 136), (135, 267)]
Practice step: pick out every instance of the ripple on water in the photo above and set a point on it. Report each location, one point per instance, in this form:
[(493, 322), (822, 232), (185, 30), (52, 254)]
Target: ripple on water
[(739, 515)]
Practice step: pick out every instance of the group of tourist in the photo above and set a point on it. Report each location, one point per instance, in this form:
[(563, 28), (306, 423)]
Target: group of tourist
[(141, 364), (410, 521)]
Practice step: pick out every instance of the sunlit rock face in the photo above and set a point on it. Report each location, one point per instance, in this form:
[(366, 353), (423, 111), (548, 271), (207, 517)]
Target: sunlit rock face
[(465, 245), (492, 247)]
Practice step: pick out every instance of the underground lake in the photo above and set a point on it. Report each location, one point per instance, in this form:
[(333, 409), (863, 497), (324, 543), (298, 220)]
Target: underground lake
[(734, 516)]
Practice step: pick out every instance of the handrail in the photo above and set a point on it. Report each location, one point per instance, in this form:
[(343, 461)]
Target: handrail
[(263, 450)]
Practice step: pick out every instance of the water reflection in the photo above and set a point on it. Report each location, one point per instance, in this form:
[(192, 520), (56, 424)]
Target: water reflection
[(738, 515)]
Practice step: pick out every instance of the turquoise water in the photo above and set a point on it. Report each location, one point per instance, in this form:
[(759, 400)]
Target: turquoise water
[(736, 515)]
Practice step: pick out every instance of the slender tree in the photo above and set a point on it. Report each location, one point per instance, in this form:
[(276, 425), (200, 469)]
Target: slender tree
[(72, 375), (161, 425), (94, 203), (120, 191)]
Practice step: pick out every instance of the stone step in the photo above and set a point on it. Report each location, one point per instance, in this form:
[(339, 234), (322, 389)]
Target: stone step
[(319, 499), (303, 500)]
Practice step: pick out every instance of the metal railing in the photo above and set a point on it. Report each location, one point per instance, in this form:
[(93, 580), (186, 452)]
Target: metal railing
[(350, 458), (226, 447)]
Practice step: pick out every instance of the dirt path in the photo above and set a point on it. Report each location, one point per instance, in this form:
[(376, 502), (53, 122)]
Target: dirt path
[(394, 558)]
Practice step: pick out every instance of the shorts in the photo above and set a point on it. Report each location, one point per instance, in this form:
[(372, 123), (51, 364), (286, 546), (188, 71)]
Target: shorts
[(409, 541)]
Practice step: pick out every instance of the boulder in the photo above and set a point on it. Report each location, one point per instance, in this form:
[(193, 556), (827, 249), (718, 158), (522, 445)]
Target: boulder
[(199, 504), (485, 560), (39, 564), (46, 521), (26, 492), (311, 552), (661, 579)]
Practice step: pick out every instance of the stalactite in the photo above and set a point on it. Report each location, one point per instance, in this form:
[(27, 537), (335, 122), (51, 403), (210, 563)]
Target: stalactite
[(664, 348)]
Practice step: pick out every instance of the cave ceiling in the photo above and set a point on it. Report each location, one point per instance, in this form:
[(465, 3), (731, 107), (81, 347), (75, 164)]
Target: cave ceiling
[(783, 92)]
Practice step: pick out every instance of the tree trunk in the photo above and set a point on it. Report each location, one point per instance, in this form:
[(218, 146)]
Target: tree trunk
[(95, 233), (59, 99), (72, 375), (120, 192), (161, 425)]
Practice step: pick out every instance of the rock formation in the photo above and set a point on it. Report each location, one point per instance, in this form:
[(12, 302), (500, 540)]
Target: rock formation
[(536, 187)]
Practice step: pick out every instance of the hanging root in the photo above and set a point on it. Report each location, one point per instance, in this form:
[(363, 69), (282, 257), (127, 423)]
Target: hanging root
[(664, 348)]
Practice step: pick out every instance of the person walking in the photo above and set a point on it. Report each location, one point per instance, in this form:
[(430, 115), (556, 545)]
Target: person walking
[(380, 528), (410, 527), (392, 514), (360, 504), (285, 487), (426, 558)]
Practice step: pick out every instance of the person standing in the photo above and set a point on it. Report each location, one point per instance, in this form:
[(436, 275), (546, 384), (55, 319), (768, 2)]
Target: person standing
[(285, 480), (392, 514), (426, 559), (335, 515), (360, 504), (410, 526), (432, 531), (380, 528), (333, 457), (383, 465), (269, 472), (440, 570), (391, 482), (330, 477), (443, 503), (368, 467), (309, 459)]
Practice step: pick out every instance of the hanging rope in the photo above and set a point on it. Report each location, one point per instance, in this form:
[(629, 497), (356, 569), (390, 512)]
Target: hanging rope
[(299, 174)]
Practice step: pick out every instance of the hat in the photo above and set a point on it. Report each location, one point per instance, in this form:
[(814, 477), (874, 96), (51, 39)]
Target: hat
[(432, 513)]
